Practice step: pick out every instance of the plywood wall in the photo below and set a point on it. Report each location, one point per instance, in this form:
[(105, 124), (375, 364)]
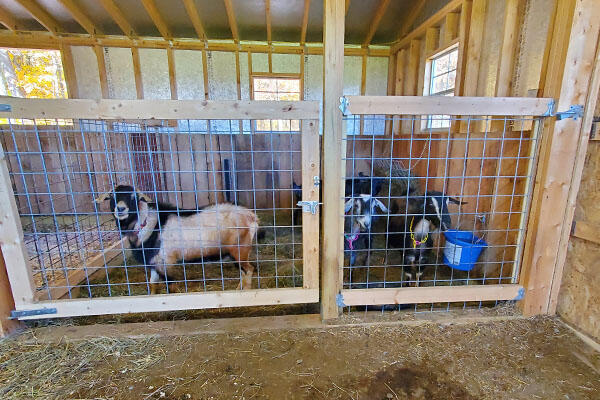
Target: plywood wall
[(579, 298)]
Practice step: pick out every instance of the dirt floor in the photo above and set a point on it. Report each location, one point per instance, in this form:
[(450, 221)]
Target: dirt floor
[(509, 359)]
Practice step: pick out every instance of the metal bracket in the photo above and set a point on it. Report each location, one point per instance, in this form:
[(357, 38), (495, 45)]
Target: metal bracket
[(520, 295), (29, 313), (316, 180), (5, 107), (339, 300), (550, 111), (309, 206), (344, 104), (575, 112)]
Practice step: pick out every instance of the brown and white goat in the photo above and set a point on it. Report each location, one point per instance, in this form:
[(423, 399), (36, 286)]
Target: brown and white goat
[(160, 235)]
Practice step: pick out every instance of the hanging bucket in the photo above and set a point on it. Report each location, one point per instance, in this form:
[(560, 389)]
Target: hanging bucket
[(462, 249)]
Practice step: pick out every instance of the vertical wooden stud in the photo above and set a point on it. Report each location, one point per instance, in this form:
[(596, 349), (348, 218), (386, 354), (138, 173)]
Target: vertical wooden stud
[(412, 78), (333, 150), (363, 88), (137, 73), (310, 192), (69, 71), (450, 28), (172, 73), (99, 50)]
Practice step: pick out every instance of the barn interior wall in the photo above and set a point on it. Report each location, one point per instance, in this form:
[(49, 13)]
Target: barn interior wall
[(222, 85), (579, 296)]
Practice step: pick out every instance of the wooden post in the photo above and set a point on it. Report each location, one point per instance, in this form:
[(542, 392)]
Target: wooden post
[(333, 149), (137, 72), (310, 192), (99, 50), (69, 71), (7, 303), (569, 75)]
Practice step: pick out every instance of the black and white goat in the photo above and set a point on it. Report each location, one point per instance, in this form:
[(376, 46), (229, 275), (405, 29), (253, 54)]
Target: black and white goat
[(413, 233), (160, 235)]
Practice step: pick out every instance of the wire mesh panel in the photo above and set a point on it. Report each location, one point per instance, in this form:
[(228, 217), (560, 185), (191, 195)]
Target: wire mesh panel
[(131, 207), (435, 201)]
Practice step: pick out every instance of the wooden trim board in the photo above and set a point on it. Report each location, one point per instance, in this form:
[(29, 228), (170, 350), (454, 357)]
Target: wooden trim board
[(172, 302), (433, 294), (450, 105), (159, 109)]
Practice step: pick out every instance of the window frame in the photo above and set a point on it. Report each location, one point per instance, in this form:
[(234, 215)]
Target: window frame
[(428, 81), (280, 76)]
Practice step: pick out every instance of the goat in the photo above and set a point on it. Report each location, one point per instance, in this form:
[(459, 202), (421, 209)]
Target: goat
[(161, 235), (357, 224), (413, 233)]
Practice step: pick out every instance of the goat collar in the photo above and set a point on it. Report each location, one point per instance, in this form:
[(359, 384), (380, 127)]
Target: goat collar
[(351, 239), (416, 242)]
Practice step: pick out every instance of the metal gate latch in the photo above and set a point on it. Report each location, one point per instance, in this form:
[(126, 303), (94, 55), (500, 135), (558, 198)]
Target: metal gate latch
[(575, 112), (29, 313), (309, 206), (344, 103)]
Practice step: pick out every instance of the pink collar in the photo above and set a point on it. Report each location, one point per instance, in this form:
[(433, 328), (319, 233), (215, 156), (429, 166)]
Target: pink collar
[(351, 239)]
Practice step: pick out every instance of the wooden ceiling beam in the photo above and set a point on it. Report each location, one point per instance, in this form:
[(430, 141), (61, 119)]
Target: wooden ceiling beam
[(268, 18), (79, 15), (192, 11), (304, 22), (8, 20), (118, 16), (410, 18), (381, 9), (41, 15), (157, 18), (45, 40), (232, 22)]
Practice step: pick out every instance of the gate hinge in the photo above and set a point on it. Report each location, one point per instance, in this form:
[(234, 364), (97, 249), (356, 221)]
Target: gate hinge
[(339, 300), (575, 112), (344, 103), (520, 294), (5, 107), (29, 313), (309, 206)]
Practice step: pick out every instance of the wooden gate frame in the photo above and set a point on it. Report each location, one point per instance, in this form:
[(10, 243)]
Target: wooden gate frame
[(11, 232), (431, 105)]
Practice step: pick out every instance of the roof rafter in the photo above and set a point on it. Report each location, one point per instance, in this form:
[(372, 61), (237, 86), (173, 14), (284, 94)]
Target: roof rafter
[(268, 17), (304, 22), (41, 15), (410, 18), (192, 11), (8, 20), (381, 9), (158, 20), (232, 22), (118, 16), (80, 16)]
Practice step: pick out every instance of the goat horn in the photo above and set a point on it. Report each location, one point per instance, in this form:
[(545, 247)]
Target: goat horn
[(142, 196), (103, 197)]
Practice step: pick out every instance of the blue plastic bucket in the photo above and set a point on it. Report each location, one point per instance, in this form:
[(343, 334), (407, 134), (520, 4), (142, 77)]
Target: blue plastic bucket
[(462, 249)]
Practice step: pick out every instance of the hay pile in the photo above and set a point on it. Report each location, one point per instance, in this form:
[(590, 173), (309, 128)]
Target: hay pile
[(401, 181)]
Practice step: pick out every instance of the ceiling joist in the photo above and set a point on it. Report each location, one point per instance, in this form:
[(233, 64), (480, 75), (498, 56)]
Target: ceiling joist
[(304, 22), (192, 12), (118, 16), (41, 15), (410, 19), (268, 17), (158, 20), (8, 20), (80, 16), (381, 9), (232, 22)]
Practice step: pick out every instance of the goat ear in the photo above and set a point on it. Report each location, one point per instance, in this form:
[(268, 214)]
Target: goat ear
[(348, 205), (142, 196), (379, 204), (103, 197)]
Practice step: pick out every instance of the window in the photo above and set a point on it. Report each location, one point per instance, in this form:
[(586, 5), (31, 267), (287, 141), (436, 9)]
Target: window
[(276, 88), (32, 74), (442, 78)]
